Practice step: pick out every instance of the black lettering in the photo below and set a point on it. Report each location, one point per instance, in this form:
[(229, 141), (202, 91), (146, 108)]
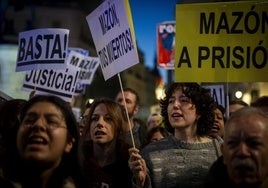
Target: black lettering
[(56, 47), (202, 56), (28, 76), (58, 80), (108, 19), (240, 64), (184, 58), (43, 78), (217, 54), (21, 51), (29, 51), (48, 38), (38, 54), (238, 16), (207, 26), (223, 24), (68, 85), (250, 18), (74, 61), (87, 63), (259, 51)]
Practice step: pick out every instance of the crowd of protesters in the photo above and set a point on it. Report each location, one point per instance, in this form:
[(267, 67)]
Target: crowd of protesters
[(191, 143)]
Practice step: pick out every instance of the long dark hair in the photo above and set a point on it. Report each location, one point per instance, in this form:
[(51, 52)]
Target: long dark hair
[(116, 112), (9, 125), (202, 100), (69, 163)]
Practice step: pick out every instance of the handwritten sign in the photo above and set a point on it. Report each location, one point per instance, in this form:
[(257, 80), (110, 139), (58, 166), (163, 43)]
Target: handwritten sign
[(87, 65), (113, 35), (64, 83)]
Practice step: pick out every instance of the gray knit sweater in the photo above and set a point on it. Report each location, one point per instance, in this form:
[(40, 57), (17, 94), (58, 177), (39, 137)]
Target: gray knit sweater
[(174, 163)]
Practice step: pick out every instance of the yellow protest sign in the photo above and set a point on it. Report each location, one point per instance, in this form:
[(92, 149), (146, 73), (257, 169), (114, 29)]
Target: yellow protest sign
[(221, 42)]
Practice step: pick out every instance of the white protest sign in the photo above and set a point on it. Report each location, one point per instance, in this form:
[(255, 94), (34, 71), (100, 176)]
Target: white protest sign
[(42, 49), (113, 35), (80, 88), (55, 82), (87, 65), (217, 92)]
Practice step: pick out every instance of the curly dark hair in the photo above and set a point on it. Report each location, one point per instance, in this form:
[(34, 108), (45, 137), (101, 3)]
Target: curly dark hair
[(202, 100)]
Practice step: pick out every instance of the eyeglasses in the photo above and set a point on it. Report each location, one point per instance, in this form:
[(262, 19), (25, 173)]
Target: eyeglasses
[(52, 122)]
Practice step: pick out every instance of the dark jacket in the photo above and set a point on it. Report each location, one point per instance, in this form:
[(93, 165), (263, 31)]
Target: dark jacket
[(218, 177), (113, 175)]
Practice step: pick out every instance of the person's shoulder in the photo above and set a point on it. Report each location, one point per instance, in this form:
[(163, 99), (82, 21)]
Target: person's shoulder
[(217, 175), (139, 122), (218, 139)]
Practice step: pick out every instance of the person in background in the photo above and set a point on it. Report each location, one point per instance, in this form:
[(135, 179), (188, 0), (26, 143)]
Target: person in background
[(103, 155), (154, 134), (84, 117), (154, 120), (261, 102), (235, 105), (244, 161), (9, 125), (183, 158), (218, 126), (47, 143), (137, 126)]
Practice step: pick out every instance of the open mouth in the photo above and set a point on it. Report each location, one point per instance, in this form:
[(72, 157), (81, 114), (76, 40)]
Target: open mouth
[(37, 140), (215, 128), (176, 115), (99, 133)]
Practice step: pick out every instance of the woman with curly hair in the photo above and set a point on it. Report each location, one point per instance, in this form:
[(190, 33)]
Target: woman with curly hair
[(183, 158)]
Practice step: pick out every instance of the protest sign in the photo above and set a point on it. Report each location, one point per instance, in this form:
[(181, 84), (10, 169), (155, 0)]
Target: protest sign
[(221, 42), (49, 81), (217, 92), (113, 35), (87, 65), (166, 44), (80, 87), (42, 49), (63, 82)]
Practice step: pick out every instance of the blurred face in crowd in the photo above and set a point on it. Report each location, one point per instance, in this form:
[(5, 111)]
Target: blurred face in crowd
[(42, 135), (130, 98), (218, 126), (181, 112), (83, 120), (154, 121), (245, 149), (235, 107), (157, 136), (102, 125)]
